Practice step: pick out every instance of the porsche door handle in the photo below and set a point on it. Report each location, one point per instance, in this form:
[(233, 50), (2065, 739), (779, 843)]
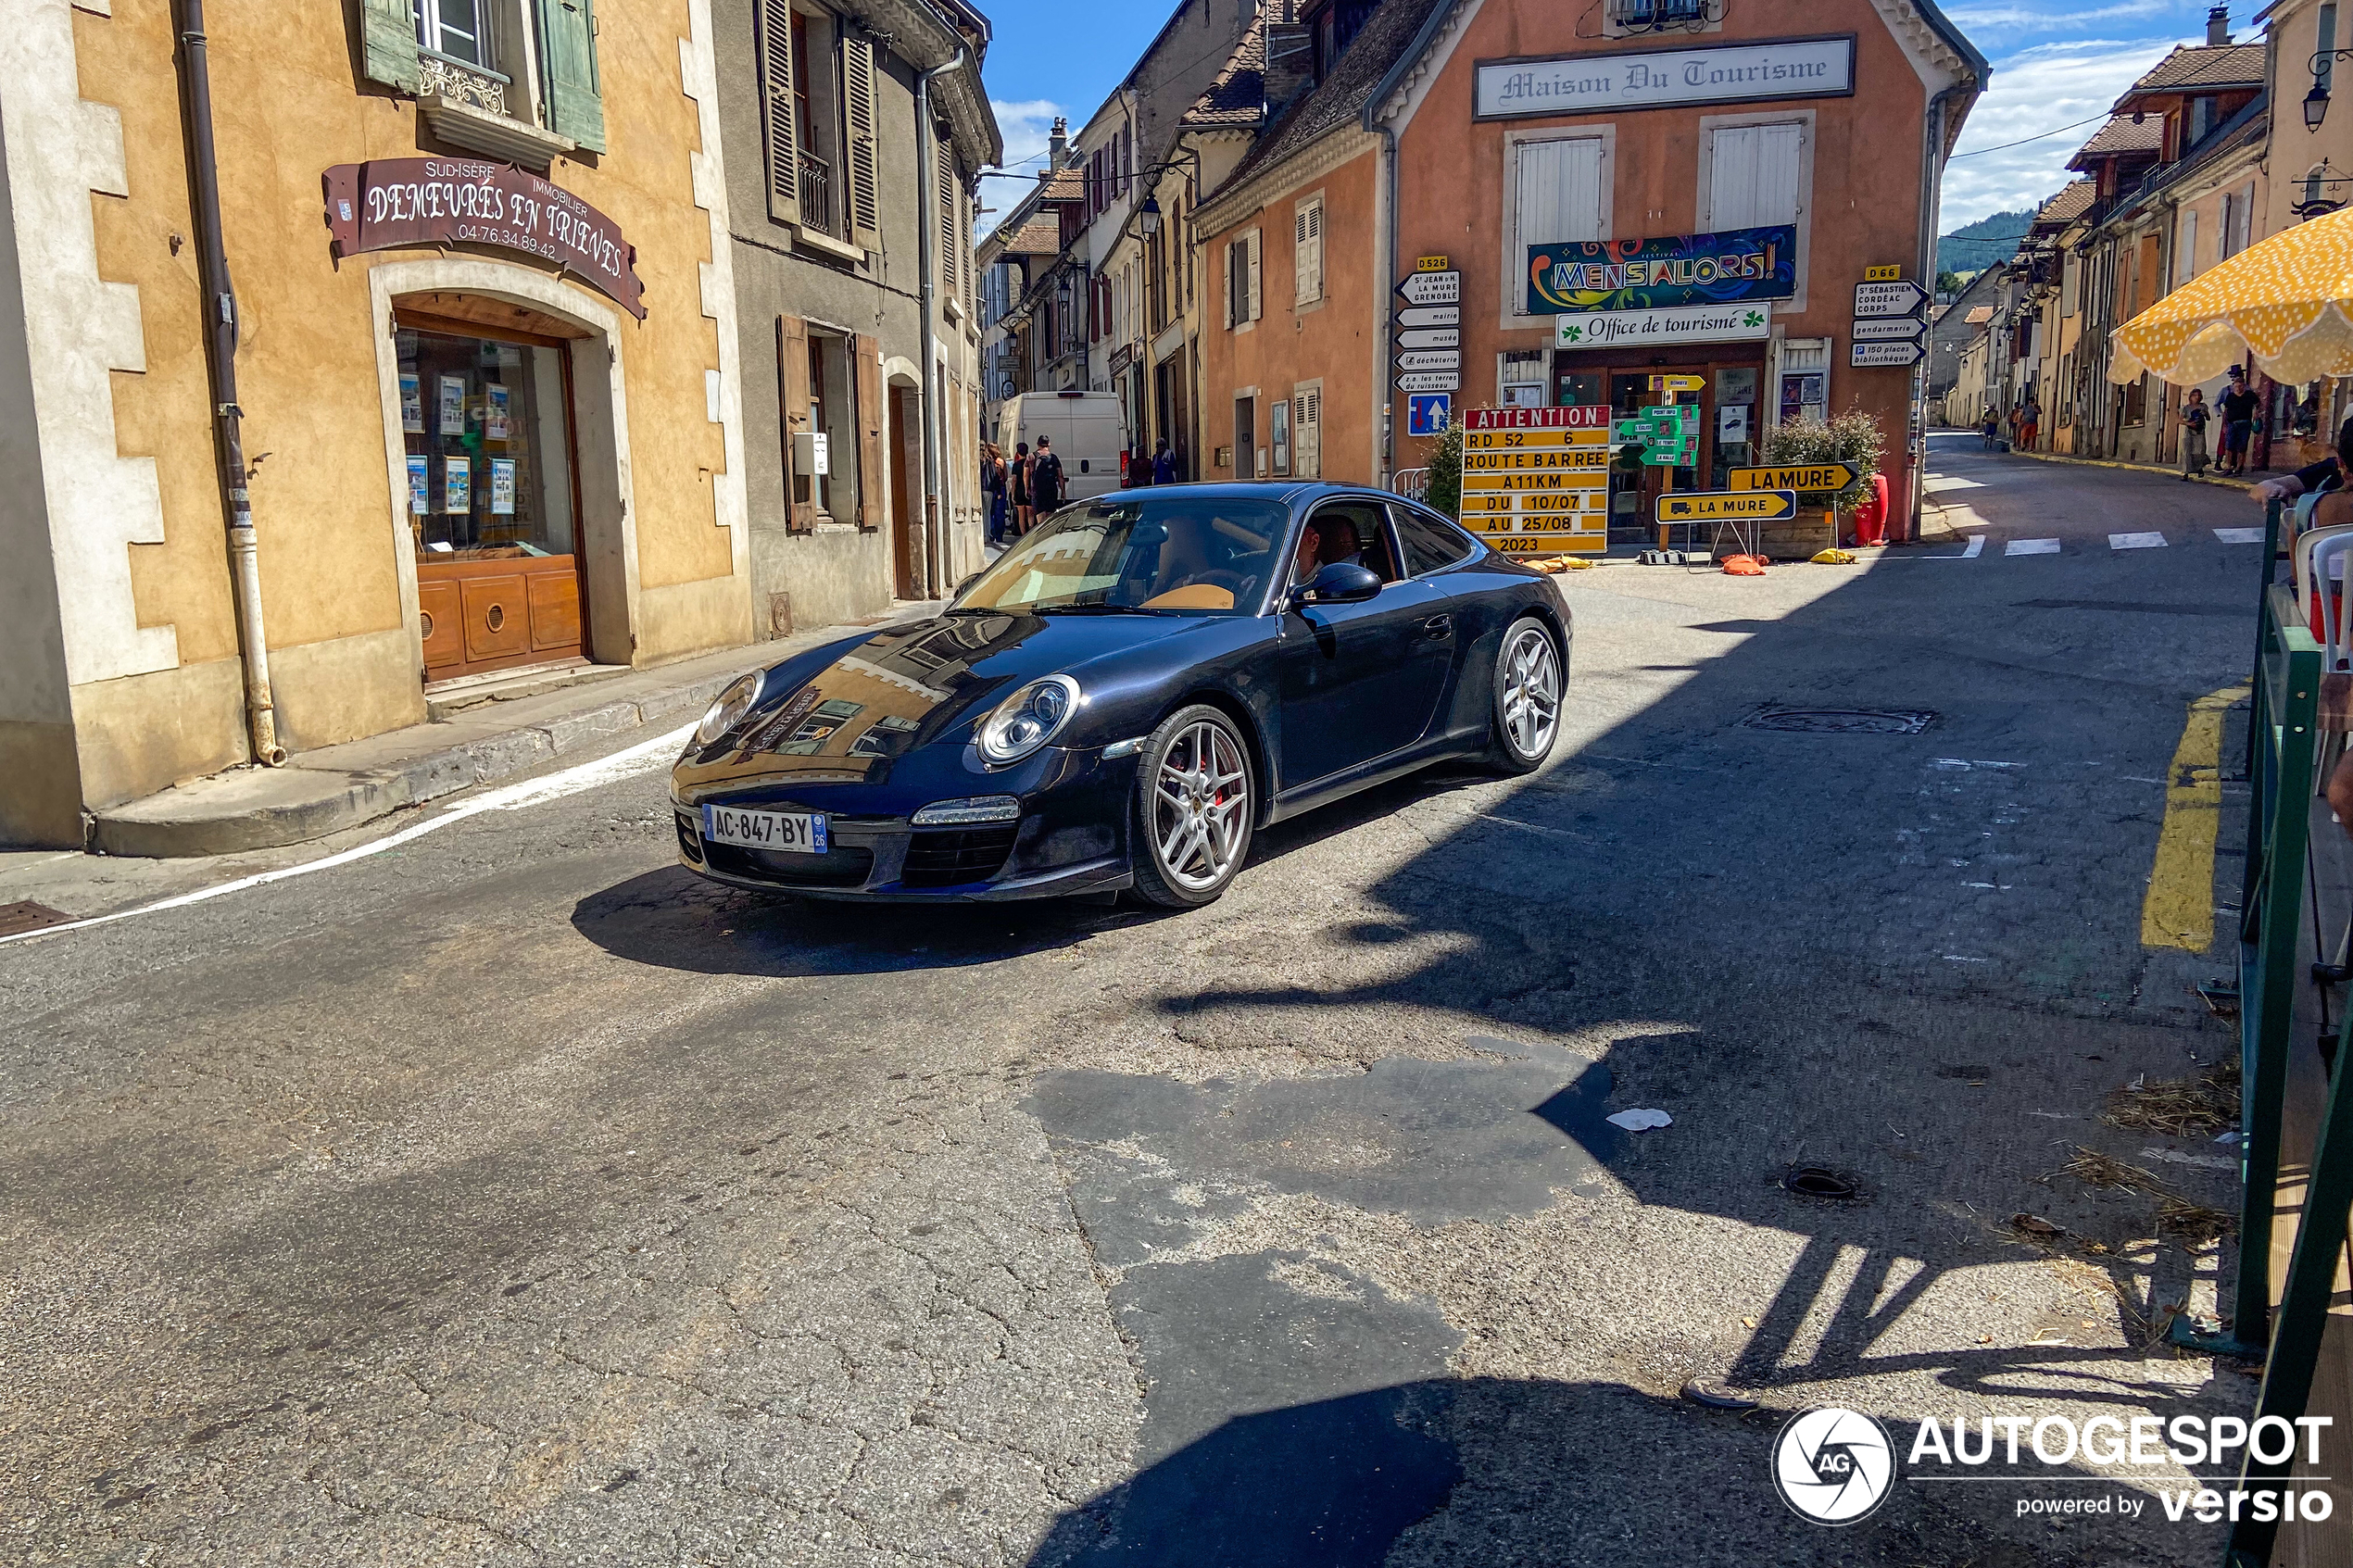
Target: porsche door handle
[(1438, 628)]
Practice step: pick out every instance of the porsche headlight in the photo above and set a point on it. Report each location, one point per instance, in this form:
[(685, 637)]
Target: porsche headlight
[(728, 708), (1026, 720)]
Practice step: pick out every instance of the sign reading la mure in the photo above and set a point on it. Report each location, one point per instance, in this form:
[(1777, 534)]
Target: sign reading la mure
[(1719, 73), (389, 203)]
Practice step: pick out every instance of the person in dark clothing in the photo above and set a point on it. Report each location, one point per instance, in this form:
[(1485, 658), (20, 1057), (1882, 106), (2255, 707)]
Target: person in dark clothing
[(1045, 478), (2238, 405), (1018, 477), (1163, 464), (2195, 416), (992, 483), (2329, 473)]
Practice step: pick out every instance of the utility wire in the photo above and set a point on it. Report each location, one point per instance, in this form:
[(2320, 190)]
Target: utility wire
[(2038, 136)]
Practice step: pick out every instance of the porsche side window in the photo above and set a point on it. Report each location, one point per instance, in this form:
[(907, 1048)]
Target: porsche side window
[(1347, 531), (1174, 555), (1431, 545)]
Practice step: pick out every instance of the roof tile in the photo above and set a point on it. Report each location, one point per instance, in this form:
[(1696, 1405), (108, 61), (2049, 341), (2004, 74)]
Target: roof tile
[(2205, 65), (1237, 95)]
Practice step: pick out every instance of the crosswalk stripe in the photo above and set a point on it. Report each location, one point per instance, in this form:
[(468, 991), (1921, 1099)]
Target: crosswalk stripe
[(1976, 547), (2031, 548), (2239, 535), (2137, 541)]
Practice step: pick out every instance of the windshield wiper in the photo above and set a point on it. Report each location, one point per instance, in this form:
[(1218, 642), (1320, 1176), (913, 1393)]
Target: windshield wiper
[(1097, 609)]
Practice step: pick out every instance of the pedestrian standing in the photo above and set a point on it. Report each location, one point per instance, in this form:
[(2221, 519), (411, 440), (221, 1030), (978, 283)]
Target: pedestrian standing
[(1045, 477), (1018, 475), (2030, 421), (2238, 405), (2194, 418), (1163, 464), (992, 480), (1991, 428)]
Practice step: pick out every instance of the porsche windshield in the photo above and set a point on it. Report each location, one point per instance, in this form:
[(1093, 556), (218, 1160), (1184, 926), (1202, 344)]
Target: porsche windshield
[(1196, 555)]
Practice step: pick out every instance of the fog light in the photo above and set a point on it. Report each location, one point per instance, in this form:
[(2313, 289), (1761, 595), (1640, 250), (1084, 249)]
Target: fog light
[(973, 809)]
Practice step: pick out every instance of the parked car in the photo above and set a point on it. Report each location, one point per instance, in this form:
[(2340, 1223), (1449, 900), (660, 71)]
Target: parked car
[(1124, 697), (1089, 432)]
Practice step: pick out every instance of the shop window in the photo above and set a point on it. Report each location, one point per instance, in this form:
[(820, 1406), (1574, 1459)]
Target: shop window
[(1736, 435), (491, 507), (1804, 396), (817, 97), (1519, 378)]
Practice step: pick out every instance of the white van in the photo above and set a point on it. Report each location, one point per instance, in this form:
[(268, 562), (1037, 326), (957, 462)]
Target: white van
[(1087, 430)]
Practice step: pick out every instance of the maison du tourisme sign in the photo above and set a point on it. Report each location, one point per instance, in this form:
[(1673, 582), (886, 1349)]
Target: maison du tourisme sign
[(1716, 73), (389, 203)]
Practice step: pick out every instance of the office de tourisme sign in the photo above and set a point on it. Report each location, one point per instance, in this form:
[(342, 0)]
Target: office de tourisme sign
[(1716, 73)]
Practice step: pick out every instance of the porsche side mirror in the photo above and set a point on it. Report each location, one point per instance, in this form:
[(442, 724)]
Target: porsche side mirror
[(1341, 583)]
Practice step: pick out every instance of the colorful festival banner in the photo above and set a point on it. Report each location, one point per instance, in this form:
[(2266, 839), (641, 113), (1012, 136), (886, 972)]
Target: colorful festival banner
[(1665, 270)]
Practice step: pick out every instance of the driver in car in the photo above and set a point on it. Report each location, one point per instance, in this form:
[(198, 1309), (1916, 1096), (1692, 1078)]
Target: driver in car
[(1342, 549)]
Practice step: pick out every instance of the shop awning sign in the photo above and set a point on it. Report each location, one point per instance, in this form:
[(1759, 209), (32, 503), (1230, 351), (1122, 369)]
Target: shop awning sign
[(1644, 329), (1717, 505), (1667, 270), (390, 204)]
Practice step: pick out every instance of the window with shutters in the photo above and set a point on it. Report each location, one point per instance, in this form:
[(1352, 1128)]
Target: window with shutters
[(1560, 189), (819, 134), (516, 78), (944, 172), (1307, 429), (2185, 249), (1757, 172), (1307, 251)]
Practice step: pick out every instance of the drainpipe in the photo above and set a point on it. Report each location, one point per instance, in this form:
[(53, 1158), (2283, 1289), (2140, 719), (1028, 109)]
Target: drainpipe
[(221, 342), (927, 182), (1382, 366)]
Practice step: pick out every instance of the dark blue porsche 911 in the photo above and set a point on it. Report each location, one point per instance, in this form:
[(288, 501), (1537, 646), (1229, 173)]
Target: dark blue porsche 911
[(1123, 696)]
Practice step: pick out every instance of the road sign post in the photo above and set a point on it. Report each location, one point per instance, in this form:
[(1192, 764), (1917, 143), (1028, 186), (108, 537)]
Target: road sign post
[(1536, 481), (1813, 479)]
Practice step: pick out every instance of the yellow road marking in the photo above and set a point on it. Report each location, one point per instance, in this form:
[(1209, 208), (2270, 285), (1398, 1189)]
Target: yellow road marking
[(2179, 910)]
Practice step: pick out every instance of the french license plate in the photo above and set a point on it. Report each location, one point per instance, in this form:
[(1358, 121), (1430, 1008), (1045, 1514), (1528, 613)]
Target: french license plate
[(796, 832)]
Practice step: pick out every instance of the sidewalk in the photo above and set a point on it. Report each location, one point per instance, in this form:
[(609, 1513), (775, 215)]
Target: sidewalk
[(477, 737), (2233, 481)]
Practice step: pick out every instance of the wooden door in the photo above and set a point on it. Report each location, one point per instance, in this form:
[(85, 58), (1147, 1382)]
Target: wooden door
[(902, 433)]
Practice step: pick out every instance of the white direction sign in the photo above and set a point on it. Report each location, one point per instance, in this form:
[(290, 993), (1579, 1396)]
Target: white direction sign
[(1899, 298), (1863, 355), (1889, 327), (1431, 288), (1433, 338), (1430, 316), (1430, 381), (1432, 360)]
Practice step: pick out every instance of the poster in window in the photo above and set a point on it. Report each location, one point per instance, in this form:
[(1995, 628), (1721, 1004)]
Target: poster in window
[(413, 405), (494, 419), (457, 484), (453, 405), (502, 486), (420, 484)]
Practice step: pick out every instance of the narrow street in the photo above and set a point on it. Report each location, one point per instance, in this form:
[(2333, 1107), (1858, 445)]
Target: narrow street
[(514, 1196)]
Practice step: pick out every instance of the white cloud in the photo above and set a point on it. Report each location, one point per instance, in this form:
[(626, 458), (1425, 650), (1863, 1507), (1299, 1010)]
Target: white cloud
[(1024, 126), (2061, 19), (2037, 90)]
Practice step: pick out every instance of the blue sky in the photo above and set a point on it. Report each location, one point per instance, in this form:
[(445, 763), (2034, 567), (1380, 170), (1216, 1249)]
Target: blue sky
[(2054, 63)]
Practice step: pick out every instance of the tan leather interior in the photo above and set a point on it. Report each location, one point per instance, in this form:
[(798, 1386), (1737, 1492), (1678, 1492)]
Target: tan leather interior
[(1193, 595)]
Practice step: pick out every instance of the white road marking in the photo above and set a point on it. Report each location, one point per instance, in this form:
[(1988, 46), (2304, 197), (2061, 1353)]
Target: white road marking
[(1957, 764), (2031, 548), (2137, 541), (643, 758), (1937, 482), (1976, 547), (2239, 535)]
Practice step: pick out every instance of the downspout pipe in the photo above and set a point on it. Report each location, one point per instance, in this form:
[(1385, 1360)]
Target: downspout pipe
[(221, 345), (927, 185)]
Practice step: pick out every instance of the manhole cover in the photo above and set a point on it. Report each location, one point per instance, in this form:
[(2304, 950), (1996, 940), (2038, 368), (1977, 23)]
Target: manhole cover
[(28, 916), (1842, 720)]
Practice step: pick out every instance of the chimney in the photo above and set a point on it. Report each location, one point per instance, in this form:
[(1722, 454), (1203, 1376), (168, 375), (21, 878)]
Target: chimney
[(1058, 145), (2217, 27)]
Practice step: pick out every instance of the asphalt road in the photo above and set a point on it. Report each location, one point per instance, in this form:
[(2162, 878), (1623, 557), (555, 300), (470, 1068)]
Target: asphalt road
[(511, 1197)]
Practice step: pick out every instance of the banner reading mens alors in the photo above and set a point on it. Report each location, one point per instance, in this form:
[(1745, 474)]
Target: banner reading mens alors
[(388, 203), (1667, 270)]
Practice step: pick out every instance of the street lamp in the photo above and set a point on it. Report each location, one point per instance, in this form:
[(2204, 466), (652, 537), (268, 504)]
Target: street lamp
[(1150, 214), (2316, 107)]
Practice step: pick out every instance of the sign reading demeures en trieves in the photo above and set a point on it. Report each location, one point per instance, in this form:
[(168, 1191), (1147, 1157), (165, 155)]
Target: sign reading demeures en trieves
[(393, 201), (1713, 74)]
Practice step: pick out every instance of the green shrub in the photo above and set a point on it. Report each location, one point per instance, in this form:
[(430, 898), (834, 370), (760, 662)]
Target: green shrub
[(1446, 471), (1853, 438)]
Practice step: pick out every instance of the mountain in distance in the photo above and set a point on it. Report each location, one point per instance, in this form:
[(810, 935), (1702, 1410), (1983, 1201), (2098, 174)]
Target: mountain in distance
[(1975, 246)]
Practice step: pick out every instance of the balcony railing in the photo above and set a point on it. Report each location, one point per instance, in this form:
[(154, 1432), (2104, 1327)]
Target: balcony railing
[(1658, 15), (442, 77), (816, 192)]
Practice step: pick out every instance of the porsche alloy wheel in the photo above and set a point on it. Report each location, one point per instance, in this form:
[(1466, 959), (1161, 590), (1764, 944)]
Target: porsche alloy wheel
[(1528, 696), (1193, 809)]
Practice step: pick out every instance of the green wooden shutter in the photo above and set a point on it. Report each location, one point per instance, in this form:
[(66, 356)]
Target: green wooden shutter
[(774, 41), (568, 67), (388, 38), (865, 181)]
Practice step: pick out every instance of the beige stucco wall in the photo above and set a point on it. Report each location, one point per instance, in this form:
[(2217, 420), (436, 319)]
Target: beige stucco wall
[(337, 599)]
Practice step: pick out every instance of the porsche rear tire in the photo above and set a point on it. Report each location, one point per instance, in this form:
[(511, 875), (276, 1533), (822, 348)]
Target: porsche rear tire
[(1194, 801)]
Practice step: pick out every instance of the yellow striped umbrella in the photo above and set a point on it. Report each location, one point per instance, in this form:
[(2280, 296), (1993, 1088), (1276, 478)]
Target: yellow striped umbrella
[(2283, 302)]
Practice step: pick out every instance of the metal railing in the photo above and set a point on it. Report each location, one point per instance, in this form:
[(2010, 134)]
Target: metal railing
[(1412, 484), (816, 192)]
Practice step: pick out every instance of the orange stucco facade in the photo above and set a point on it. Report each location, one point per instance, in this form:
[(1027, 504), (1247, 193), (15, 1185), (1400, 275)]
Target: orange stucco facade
[(1864, 193)]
